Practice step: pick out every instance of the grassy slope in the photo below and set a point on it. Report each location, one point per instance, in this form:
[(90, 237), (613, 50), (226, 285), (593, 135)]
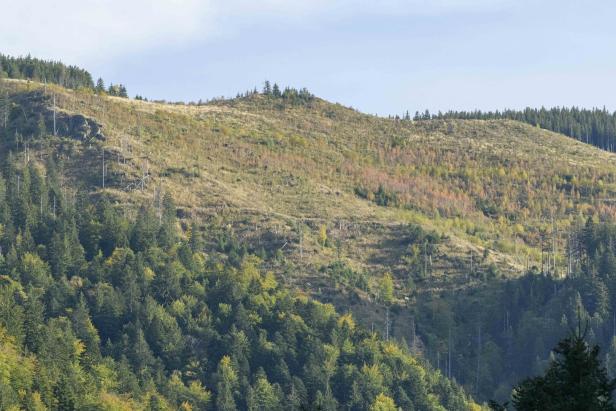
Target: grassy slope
[(271, 170)]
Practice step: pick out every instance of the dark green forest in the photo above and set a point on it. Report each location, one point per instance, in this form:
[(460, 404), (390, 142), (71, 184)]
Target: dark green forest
[(596, 126), (55, 72), (576, 380), (505, 330)]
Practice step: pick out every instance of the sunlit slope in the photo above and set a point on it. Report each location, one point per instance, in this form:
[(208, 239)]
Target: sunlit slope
[(295, 174)]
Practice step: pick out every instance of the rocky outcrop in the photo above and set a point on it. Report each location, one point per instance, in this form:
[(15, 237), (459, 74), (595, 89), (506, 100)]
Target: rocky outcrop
[(78, 127), (32, 109)]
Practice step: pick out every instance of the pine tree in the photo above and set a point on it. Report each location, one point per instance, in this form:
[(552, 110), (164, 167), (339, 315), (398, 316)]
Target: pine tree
[(122, 91)]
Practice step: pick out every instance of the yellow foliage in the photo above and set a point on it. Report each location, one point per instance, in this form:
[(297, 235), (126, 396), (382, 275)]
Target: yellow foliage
[(268, 282), (373, 373), (302, 297), (248, 271), (346, 321), (386, 289), (224, 309), (116, 256), (114, 402), (255, 319), (225, 361), (16, 370), (78, 348), (149, 274), (391, 349), (76, 281), (37, 402), (199, 258), (178, 307), (323, 235), (347, 347), (383, 403), (106, 377)]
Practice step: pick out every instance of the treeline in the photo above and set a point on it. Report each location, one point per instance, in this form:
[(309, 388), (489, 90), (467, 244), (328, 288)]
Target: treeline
[(116, 90), (289, 94), (102, 311), (596, 126), (55, 72)]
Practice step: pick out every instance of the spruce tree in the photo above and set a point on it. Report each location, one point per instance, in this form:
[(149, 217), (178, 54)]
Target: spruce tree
[(100, 85), (575, 381)]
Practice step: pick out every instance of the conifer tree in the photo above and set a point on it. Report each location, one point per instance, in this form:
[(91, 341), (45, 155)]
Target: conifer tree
[(227, 382), (100, 85), (575, 381)]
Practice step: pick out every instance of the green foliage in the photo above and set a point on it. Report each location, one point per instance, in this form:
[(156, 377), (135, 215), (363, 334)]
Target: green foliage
[(101, 311), (386, 289), (575, 380), (42, 70), (288, 95), (117, 90), (383, 403), (520, 319), (341, 273)]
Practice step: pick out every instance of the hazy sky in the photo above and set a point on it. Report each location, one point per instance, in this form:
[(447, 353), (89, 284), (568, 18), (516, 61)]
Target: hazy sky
[(382, 56)]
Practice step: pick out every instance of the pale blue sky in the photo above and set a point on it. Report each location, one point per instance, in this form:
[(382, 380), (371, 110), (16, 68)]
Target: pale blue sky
[(381, 57)]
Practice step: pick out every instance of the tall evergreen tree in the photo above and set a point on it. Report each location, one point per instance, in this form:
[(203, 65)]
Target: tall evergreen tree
[(100, 85), (575, 381)]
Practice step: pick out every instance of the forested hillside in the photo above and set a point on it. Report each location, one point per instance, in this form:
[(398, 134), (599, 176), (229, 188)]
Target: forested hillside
[(108, 306), (278, 249), (512, 325)]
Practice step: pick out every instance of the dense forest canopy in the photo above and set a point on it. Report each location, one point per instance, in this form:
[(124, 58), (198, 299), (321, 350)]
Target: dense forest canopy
[(94, 305), (592, 126)]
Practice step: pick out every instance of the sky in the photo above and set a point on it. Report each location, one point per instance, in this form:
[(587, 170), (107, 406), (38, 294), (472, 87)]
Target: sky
[(381, 56)]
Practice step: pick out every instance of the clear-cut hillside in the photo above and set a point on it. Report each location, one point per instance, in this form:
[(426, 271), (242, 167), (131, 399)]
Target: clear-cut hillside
[(318, 184)]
